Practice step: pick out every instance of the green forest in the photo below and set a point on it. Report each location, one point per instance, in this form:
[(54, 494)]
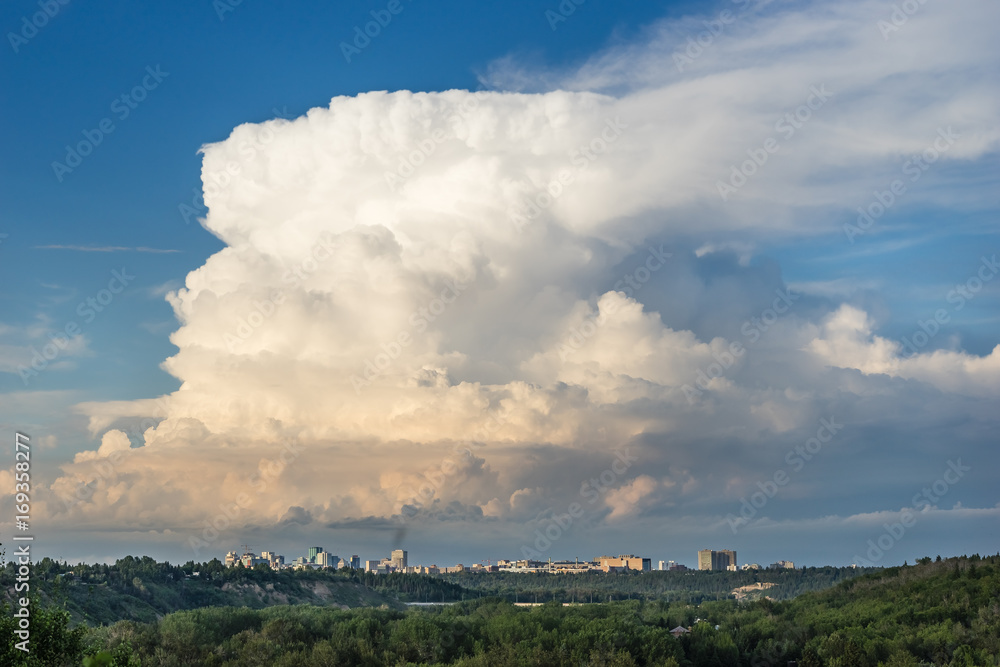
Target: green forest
[(944, 613), (689, 586), (142, 589)]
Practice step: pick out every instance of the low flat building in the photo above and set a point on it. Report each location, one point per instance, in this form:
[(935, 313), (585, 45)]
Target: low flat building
[(624, 562)]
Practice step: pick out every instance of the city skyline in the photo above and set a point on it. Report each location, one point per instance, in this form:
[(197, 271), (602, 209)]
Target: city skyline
[(397, 561)]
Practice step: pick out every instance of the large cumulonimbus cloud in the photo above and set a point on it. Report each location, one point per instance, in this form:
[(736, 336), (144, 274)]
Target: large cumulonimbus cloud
[(463, 303)]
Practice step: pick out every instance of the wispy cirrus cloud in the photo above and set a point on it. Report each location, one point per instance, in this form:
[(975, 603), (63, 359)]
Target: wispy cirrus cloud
[(105, 248)]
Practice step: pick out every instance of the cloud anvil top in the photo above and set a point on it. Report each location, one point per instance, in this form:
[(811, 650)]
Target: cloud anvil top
[(728, 277)]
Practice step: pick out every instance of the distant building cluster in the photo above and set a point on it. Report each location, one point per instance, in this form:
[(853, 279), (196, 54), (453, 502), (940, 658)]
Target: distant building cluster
[(622, 563), (780, 565), (398, 561), (671, 566), (248, 559), (726, 560), (317, 558)]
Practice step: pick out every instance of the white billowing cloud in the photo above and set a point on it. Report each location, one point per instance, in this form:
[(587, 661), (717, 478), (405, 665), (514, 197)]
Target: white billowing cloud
[(847, 341), (618, 352), (629, 499), (7, 482), (112, 441), (418, 303)]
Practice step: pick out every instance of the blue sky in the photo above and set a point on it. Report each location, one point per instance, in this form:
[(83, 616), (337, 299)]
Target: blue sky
[(192, 72), (223, 71)]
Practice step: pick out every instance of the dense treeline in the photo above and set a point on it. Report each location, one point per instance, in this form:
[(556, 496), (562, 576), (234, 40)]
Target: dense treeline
[(143, 589), (670, 586), (945, 614)]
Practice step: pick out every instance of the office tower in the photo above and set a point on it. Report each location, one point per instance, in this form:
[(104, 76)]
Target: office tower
[(399, 560), (716, 560)]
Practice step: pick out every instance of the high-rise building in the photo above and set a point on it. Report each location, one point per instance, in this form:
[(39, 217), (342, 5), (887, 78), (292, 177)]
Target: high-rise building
[(312, 553), (355, 562), (399, 560), (276, 561), (716, 560)]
